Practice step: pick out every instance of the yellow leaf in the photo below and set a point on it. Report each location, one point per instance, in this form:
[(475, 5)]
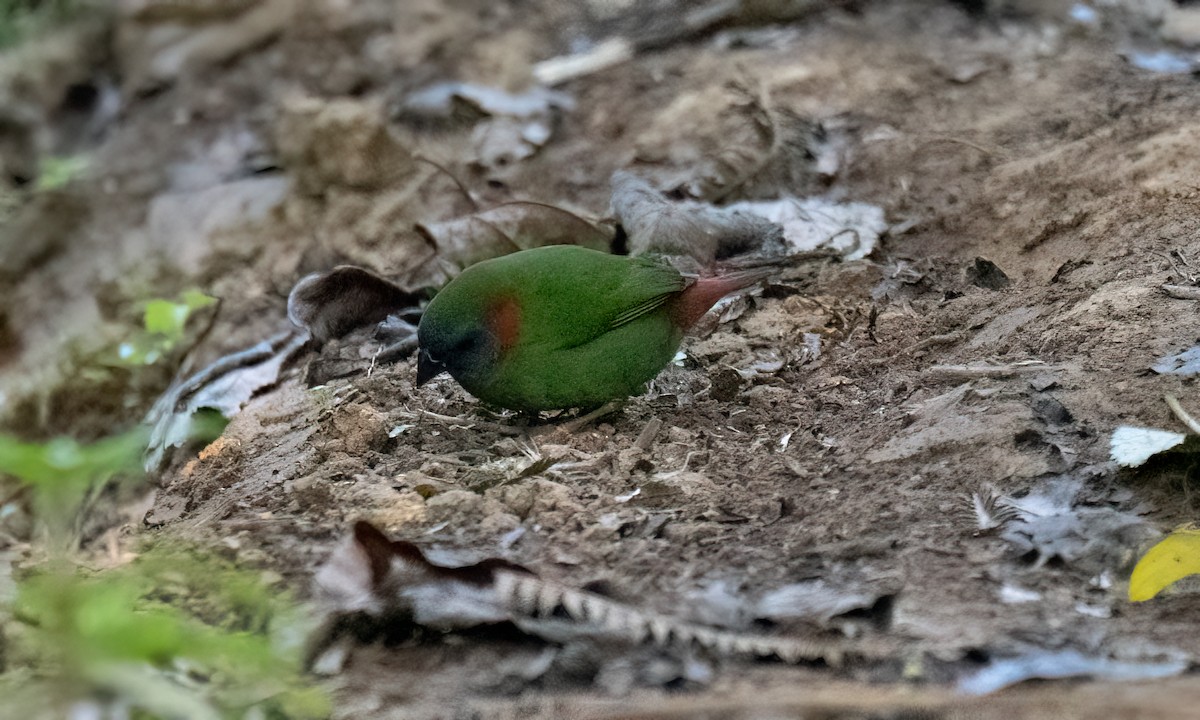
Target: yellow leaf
[(1175, 557)]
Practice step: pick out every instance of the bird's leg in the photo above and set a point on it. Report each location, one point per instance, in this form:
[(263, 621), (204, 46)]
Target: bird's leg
[(578, 423)]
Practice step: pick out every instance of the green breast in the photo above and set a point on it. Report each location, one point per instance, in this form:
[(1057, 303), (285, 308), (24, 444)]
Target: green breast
[(615, 365)]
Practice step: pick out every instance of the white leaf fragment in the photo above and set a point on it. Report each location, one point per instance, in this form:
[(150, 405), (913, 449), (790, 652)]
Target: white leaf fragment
[(1063, 664), (1015, 595), (852, 229), (1133, 446)]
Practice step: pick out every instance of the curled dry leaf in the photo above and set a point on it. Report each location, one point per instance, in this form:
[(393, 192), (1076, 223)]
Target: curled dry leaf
[(784, 153), (1044, 664), (372, 574), (224, 386), (510, 227), (513, 127), (656, 224), (330, 304), (852, 230)]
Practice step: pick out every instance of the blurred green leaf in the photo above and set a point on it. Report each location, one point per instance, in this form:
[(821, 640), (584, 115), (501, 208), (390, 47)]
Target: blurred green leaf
[(164, 323), (168, 319), (178, 633), (164, 317), (20, 20), (58, 172), (60, 472)]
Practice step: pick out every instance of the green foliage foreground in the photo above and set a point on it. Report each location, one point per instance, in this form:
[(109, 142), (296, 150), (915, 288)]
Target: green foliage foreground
[(22, 19), (177, 633)]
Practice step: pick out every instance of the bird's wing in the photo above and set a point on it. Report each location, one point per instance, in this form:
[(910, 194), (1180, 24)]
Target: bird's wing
[(646, 287), (634, 312), (607, 294)]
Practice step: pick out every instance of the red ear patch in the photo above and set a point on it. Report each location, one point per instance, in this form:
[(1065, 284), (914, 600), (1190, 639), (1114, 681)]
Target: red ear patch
[(504, 320)]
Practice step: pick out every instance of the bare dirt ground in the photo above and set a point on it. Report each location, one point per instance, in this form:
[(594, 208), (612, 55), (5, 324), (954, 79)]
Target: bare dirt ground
[(1026, 140)]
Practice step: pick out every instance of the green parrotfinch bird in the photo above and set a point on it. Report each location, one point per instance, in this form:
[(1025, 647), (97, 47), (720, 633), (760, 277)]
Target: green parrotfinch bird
[(563, 326)]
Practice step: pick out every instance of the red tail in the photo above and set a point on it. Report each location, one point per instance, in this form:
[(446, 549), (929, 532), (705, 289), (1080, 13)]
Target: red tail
[(699, 297)]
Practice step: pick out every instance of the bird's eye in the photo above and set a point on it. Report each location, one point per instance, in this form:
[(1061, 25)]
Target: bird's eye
[(466, 344)]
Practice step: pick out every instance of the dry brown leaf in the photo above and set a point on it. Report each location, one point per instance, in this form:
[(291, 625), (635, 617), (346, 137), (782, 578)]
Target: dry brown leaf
[(656, 224), (224, 386), (785, 154), (370, 573), (508, 228), (511, 126), (330, 304)]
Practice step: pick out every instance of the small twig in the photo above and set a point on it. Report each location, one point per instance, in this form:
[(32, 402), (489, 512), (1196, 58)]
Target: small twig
[(1181, 292), (558, 70), (575, 425), (1175, 266), (846, 231), (994, 152), (943, 339), (1184, 417), (970, 372), (85, 510), (371, 367), (472, 423), (454, 178)]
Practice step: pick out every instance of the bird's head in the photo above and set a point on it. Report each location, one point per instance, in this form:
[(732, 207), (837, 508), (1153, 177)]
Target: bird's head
[(463, 351), (466, 333)]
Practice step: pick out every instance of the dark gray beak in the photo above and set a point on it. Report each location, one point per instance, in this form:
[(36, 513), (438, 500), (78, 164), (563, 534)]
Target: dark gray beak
[(427, 367)]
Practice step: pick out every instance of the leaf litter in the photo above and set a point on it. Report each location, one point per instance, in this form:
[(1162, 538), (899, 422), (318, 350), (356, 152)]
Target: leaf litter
[(329, 305), (511, 127), (866, 471), (373, 574)]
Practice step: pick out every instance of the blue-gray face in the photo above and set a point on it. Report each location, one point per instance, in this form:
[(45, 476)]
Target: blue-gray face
[(467, 353)]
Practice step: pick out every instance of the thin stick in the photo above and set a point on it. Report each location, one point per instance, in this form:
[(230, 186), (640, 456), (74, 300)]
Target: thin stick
[(1182, 414), (970, 372), (994, 152), (606, 409), (471, 423), (458, 183), (1181, 292)]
